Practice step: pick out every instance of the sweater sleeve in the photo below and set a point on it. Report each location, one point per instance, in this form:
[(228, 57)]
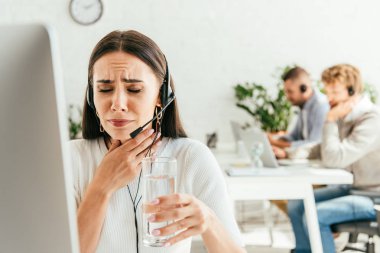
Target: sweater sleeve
[(342, 153), (208, 185)]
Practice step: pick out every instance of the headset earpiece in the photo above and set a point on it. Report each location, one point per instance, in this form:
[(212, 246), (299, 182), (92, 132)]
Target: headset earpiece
[(90, 97), (351, 91), (303, 88), (166, 92)]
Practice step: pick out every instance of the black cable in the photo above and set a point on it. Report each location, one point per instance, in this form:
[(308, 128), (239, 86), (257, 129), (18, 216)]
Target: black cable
[(135, 205), (137, 230), (135, 217)]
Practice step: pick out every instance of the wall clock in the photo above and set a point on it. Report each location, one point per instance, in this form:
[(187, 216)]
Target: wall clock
[(86, 12)]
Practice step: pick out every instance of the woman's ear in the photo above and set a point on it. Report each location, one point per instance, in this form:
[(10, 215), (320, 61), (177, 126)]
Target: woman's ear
[(158, 103)]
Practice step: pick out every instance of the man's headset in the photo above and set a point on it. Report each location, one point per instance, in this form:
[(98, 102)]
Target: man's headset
[(303, 88), (351, 91), (167, 96)]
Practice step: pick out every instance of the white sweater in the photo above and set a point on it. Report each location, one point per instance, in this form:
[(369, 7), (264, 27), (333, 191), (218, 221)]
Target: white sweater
[(198, 174)]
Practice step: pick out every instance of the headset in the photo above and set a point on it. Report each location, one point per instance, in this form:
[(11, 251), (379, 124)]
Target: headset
[(167, 96), (351, 91), (303, 88)]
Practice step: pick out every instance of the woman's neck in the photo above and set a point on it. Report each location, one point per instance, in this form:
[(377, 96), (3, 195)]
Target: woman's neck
[(108, 141)]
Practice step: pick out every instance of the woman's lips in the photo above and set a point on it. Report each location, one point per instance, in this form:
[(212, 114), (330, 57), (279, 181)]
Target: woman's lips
[(119, 122)]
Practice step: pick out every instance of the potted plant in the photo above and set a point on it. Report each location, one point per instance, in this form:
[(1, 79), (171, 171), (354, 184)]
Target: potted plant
[(271, 112), (75, 123), (371, 92)]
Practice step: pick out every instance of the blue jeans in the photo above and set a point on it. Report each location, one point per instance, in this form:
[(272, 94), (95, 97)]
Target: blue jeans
[(334, 205)]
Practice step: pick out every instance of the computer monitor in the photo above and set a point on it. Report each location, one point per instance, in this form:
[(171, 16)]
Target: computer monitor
[(37, 214)]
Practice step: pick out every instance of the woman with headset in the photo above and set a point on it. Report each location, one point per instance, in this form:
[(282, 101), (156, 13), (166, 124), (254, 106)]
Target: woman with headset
[(350, 140), (128, 85)]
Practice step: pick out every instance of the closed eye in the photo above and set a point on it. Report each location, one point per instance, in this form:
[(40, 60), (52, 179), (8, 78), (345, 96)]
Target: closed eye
[(104, 85), (104, 88), (110, 89), (134, 90)]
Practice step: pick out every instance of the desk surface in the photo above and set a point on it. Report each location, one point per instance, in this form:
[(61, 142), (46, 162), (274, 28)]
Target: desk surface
[(295, 174), (290, 182), (310, 173)]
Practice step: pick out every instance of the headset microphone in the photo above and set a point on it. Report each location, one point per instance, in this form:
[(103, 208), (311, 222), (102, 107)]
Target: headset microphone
[(167, 96), (138, 130)]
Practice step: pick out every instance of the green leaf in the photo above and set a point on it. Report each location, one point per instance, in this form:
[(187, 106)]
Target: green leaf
[(75, 123), (273, 114)]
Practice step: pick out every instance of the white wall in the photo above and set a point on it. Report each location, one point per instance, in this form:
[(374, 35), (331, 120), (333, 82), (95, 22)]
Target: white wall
[(212, 45)]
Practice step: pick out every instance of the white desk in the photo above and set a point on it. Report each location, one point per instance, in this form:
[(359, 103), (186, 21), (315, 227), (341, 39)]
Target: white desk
[(285, 183)]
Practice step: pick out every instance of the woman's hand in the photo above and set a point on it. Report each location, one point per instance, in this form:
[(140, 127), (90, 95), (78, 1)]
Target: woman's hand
[(122, 163), (191, 216)]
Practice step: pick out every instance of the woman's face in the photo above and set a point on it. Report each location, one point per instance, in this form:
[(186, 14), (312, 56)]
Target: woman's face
[(125, 93), (336, 93)]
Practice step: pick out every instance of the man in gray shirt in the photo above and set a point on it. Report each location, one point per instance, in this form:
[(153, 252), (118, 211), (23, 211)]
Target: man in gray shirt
[(313, 109)]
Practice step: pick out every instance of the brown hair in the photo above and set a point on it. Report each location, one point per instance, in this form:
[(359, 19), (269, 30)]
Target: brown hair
[(345, 74), (139, 45), (294, 73)]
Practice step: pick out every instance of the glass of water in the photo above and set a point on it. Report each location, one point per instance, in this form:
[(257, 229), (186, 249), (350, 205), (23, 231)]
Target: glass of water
[(159, 179)]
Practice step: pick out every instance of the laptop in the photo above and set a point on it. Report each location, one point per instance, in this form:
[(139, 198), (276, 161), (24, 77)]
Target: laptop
[(37, 214), (257, 135), (268, 157)]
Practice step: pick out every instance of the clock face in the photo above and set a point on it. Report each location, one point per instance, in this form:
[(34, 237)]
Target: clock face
[(86, 12)]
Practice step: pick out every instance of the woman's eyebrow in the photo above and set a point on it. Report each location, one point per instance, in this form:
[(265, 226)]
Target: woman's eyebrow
[(104, 81), (124, 80), (132, 80)]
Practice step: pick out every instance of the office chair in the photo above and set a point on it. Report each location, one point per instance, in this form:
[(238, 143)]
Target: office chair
[(246, 210), (369, 227)]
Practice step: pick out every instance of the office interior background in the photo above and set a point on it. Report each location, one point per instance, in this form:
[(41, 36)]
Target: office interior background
[(213, 45)]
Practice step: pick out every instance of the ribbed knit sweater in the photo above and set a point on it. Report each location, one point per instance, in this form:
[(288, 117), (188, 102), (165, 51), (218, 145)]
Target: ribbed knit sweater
[(198, 173)]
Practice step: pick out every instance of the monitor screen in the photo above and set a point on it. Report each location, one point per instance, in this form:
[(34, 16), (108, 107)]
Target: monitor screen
[(37, 213)]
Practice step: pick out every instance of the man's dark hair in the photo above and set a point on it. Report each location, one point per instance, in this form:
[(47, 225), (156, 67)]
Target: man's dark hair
[(294, 73)]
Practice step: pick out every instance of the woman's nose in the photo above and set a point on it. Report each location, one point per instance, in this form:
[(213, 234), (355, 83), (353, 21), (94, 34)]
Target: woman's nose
[(119, 101)]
